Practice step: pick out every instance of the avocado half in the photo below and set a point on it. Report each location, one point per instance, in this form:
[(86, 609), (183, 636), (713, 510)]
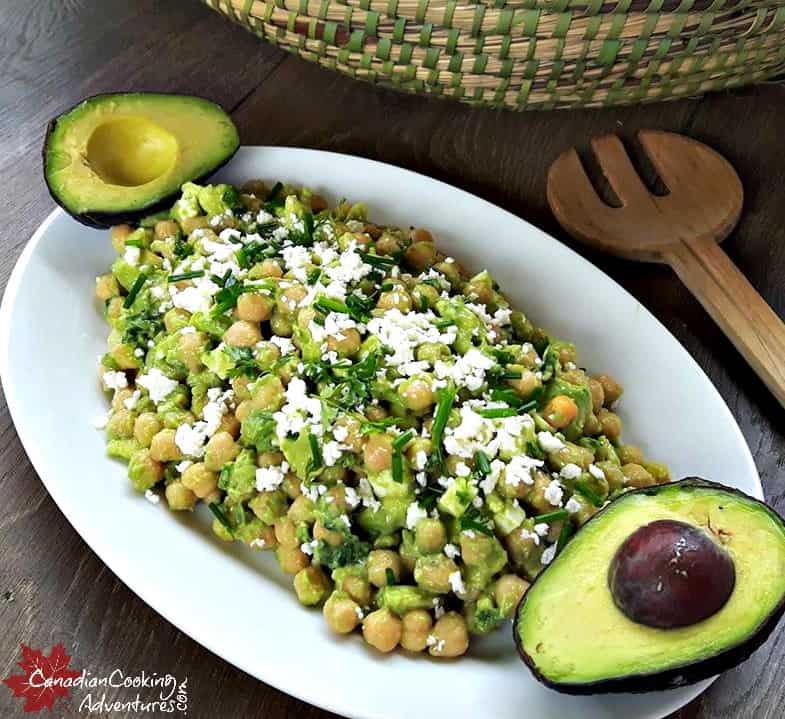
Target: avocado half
[(574, 638), (118, 157)]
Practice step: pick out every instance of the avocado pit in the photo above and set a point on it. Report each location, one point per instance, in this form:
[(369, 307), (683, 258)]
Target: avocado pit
[(670, 574)]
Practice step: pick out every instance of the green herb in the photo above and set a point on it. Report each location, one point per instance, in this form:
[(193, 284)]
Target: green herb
[(441, 324), (472, 519), (248, 255), (181, 247), (555, 516), (482, 463), (429, 496), (328, 304), (389, 576), (497, 412), (220, 516), (142, 327), (445, 399), (511, 374), (550, 362), (402, 440), (316, 454), (350, 551), (185, 276), (564, 536), (135, 243), (503, 356), (134, 291), (527, 407), (226, 298), (397, 467), (377, 260), (360, 307), (588, 493), (379, 425), (533, 449), (387, 286), (244, 362), (313, 275), (510, 396)]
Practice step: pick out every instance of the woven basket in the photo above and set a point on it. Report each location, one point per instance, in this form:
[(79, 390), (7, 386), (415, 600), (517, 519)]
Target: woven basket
[(526, 54)]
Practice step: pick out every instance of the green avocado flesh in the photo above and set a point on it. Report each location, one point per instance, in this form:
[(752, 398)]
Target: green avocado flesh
[(117, 154), (572, 635)]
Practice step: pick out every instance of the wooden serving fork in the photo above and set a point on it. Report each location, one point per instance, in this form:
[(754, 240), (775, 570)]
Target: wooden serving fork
[(681, 229)]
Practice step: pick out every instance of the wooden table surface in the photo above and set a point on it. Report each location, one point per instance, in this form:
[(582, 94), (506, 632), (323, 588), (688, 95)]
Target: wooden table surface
[(54, 52)]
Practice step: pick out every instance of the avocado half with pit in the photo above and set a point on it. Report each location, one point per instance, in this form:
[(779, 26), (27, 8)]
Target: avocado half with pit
[(664, 587), (116, 158)]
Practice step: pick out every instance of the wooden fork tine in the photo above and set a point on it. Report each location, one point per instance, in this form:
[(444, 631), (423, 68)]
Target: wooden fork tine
[(571, 194), (617, 168)]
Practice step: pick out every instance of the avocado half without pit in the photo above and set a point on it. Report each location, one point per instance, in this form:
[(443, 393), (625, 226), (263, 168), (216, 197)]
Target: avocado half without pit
[(666, 586), (117, 158)]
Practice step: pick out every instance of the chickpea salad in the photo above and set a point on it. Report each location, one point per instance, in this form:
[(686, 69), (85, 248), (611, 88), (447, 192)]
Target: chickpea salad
[(413, 449)]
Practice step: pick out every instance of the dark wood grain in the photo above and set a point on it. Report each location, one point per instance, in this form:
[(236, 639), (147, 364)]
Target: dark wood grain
[(54, 52)]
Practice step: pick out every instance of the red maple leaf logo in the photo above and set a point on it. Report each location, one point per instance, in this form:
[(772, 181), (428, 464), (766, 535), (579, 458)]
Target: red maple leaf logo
[(42, 681)]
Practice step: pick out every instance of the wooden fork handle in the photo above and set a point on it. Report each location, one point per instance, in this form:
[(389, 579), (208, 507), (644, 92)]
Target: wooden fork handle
[(742, 314)]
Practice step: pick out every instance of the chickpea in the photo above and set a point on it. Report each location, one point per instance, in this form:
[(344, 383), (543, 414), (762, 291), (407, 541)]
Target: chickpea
[(291, 297), (659, 471), (189, 224), (526, 384), (191, 346), (243, 334), (330, 536), (612, 390), (432, 573), (291, 486), (230, 424), (256, 187), (106, 287), (388, 245), (637, 476), (451, 635), (613, 475), (592, 426), (179, 497), (378, 452), (630, 454), (420, 255), (219, 450), (571, 454), (420, 234), (379, 561), (430, 536), (341, 613), (146, 426), (346, 343), (597, 394), (610, 423), (318, 203), (281, 324), (265, 538), (114, 309), (240, 386), (415, 627), (311, 585), (375, 412), (163, 447), (417, 395), (200, 480), (166, 229), (353, 439), (270, 268), (395, 299), (291, 559), (508, 592), (560, 411), (176, 319), (301, 510), (358, 589), (254, 307), (267, 393), (423, 297), (118, 234), (119, 398), (382, 630)]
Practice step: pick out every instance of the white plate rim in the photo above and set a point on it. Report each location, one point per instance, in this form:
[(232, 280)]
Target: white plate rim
[(114, 559)]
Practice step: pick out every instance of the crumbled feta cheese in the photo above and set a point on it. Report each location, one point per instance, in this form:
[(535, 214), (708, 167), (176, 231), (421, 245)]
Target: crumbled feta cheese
[(331, 453), (541, 528), (284, 344), (340, 432), (151, 496), (101, 421), (519, 469), (157, 384), (456, 583), (549, 442), (191, 440), (570, 471), (115, 380), (257, 543), (554, 492), (573, 505), (548, 555), (130, 402), (596, 471), (132, 255), (420, 459), (195, 298), (462, 470), (414, 513), (182, 466), (452, 551), (403, 333), (269, 478), (467, 370)]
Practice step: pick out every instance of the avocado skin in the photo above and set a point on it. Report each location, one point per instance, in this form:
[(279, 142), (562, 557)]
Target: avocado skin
[(105, 220), (678, 676)]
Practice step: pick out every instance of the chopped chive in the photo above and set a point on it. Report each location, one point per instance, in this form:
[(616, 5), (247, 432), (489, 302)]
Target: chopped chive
[(564, 536), (135, 243), (389, 575), (402, 440), (316, 453), (496, 412), (441, 324), (314, 275), (554, 516), (387, 286), (509, 396), (377, 260), (586, 492), (327, 304), (319, 320), (503, 357), (443, 407), (134, 291), (220, 516), (483, 465), (397, 467), (515, 374), (528, 406), (186, 276)]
